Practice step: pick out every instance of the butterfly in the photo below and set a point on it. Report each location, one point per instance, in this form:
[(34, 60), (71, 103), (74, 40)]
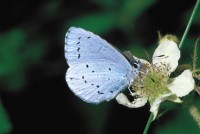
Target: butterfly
[(97, 71)]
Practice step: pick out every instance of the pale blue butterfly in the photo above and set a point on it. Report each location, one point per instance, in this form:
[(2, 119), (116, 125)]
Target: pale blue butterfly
[(97, 71)]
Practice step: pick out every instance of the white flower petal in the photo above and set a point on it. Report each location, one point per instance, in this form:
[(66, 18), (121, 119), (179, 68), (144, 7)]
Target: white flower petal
[(174, 98), (155, 105), (142, 61), (167, 52), (139, 102), (183, 84), (123, 100)]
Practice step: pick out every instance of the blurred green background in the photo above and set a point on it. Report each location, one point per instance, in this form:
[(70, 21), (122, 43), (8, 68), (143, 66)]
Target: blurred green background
[(34, 97)]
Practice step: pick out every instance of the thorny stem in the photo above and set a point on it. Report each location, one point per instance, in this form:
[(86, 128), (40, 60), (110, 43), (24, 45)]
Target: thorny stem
[(148, 123), (195, 55), (189, 24), (180, 46)]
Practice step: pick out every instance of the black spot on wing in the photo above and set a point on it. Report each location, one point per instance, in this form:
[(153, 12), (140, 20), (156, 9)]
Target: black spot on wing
[(109, 69), (88, 37), (78, 49), (79, 38), (78, 43), (97, 86), (82, 77), (87, 65), (100, 92), (79, 56), (92, 71)]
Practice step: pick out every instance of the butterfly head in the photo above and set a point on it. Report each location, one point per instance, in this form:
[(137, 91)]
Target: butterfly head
[(136, 64)]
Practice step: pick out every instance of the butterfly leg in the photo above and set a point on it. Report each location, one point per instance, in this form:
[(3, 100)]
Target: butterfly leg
[(129, 88)]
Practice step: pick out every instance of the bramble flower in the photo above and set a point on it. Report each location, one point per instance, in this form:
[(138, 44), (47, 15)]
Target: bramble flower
[(154, 83)]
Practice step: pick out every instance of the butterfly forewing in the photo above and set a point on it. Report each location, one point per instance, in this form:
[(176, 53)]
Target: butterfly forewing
[(81, 45)]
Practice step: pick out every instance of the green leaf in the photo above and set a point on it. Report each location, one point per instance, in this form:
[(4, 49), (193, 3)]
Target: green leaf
[(5, 125), (107, 4), (177, 124), (11, 43), (99, 22), (131, 10), (17, 53)]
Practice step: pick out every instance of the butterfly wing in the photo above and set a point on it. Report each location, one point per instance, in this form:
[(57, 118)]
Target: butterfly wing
[(97, 71), (96, 83)]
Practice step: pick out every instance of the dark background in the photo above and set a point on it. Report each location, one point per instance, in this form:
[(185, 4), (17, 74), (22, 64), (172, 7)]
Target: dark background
[(34, 95)]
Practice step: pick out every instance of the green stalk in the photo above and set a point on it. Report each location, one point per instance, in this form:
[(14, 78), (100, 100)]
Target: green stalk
[(148, 123), (189, 24)]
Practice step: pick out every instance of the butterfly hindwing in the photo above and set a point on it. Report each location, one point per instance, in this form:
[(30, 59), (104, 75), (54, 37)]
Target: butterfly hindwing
[(95, 83)]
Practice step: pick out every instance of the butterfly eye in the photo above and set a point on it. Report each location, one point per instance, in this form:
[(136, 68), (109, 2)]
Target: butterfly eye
[(135, 65)]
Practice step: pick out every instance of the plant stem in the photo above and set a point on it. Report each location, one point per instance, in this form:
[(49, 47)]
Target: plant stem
[(148, 123), (195, 55), (189, 24)]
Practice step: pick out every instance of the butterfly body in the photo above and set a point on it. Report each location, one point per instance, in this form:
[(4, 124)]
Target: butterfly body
[(97, 71)]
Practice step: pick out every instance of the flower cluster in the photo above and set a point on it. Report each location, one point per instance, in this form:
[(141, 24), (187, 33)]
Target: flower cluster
[(154, 84)]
